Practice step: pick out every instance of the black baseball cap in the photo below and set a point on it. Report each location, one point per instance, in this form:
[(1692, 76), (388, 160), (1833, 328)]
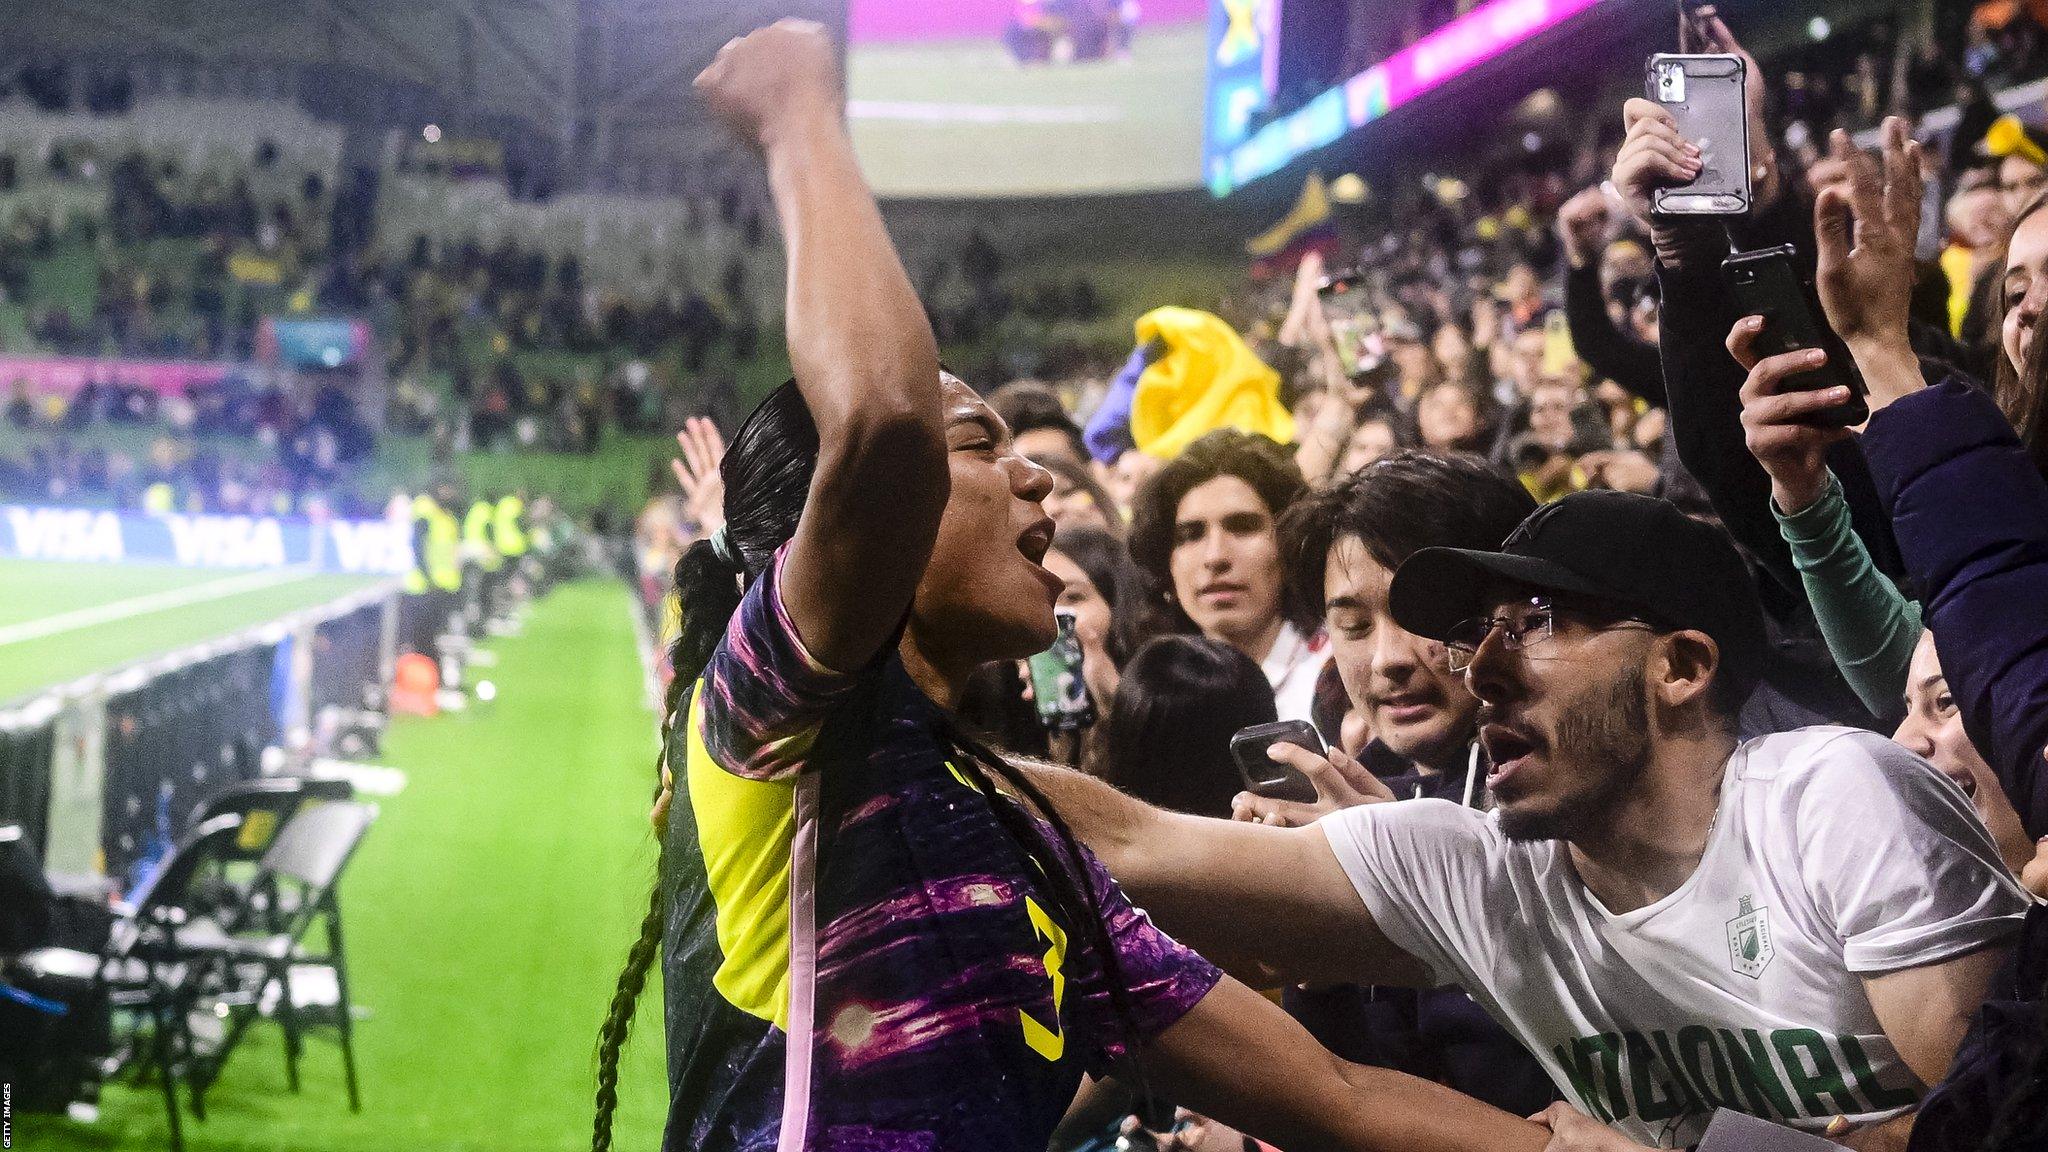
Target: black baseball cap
[(1633, 552)]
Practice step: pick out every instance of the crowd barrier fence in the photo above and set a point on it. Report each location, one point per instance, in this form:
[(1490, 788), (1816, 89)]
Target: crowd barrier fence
[(102, 773)]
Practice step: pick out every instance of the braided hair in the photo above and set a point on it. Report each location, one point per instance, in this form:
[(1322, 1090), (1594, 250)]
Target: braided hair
[(767, 473), (1067, 873), (618, 1021)]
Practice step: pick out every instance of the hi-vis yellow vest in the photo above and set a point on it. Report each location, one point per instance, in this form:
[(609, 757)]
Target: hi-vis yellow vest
[(510, 534), (476, 533), (441, 565)]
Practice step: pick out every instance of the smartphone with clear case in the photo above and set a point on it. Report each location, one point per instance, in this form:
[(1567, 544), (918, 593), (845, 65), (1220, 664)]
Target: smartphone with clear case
[(1707, 96)]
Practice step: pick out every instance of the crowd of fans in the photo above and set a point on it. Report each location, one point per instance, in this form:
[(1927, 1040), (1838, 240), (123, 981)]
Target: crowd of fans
[(534, 302), (1492, 360), (302, 448), (148, 307), (444, 300), (1543, 352), (485, 346)]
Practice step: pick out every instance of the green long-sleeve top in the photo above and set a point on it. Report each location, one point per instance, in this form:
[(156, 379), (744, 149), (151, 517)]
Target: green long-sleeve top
[(1870, 627)]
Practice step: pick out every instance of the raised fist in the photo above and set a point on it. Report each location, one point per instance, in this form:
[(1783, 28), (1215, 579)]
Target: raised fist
[(1582, 225), (780, 74)]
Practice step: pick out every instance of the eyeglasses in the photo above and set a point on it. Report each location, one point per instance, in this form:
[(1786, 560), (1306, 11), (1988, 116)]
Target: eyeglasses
[(1537, 622)]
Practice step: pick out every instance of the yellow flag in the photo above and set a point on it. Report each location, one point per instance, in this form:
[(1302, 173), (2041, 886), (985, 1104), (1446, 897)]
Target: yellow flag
[(1208, 379)]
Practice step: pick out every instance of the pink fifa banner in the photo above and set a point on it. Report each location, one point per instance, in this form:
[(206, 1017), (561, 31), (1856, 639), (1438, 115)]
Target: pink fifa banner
[(909, 21), (65, 375), (1473, 39), (1470, 40)]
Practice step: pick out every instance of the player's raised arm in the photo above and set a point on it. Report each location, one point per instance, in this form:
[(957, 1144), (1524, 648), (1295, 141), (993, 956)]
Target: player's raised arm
[(862, 350)]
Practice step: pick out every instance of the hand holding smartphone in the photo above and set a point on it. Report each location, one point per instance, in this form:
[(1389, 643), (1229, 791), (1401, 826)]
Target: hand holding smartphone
[(1354, 328), (1706, 96), (1767, 283), (1264, 776), (1059, 690)]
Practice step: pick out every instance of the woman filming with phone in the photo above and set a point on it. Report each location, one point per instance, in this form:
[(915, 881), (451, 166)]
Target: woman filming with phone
[(1051, 706), (1706, 294)]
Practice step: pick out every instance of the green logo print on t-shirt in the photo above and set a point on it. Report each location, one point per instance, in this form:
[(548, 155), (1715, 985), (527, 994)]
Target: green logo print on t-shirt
[(1749, 940), (1786, 1074)]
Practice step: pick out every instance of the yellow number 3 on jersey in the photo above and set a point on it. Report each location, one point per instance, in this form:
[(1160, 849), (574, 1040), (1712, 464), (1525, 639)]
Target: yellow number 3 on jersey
[(1050, 1043)]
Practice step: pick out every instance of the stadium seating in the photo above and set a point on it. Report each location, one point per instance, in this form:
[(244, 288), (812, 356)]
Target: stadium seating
[(628, 244)]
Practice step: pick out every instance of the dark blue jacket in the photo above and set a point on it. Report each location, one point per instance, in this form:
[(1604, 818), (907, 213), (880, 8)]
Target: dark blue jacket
[(1970, 513)]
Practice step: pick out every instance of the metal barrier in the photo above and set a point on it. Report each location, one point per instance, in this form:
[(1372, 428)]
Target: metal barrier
[(102, 772), (28, 738)]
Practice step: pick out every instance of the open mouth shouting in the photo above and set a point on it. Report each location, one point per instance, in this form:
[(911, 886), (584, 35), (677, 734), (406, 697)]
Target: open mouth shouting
[(1509, 750), (1034, 543)]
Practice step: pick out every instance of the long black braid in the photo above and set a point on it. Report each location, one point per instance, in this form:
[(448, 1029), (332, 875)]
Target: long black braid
[(686, 662)]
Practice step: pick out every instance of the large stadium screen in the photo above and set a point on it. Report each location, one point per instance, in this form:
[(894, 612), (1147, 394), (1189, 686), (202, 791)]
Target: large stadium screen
[(977, 98), (1242, 142)]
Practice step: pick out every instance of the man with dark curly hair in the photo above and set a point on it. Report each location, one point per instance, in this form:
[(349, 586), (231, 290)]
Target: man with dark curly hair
[(1204, 532)]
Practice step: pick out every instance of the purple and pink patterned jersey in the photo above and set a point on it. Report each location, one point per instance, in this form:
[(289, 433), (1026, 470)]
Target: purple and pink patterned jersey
[(859, 955)]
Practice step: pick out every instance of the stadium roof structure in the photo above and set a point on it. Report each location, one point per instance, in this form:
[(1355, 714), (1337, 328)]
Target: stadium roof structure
[(597, 84)]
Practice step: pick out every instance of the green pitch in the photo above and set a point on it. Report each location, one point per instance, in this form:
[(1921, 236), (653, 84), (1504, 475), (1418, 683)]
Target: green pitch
[(1134, 126), (487, 914), (62, 621)]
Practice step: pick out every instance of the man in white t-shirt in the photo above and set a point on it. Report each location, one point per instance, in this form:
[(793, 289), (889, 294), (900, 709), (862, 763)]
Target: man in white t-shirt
[(1797, 927)]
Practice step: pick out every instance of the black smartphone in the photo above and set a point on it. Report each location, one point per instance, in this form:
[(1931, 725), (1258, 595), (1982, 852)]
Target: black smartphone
[(1767, 283), (1706, 95), (1058, 689), (1264, 776)]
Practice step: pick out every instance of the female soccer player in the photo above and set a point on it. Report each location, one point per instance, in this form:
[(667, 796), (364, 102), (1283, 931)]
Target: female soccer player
[(866, 943)]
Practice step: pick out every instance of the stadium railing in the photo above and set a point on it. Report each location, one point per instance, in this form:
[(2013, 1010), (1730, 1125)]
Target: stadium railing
[(27, 746), (103, 773)]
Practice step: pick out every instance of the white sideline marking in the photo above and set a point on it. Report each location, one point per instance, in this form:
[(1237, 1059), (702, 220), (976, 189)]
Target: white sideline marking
[(643, 643), (369, 779), (145, 605)]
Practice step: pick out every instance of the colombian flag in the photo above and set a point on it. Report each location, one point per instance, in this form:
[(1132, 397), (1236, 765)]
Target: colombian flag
[(1308, 227)]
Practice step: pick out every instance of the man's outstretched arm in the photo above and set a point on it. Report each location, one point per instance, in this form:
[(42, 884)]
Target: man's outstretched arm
[(1268, 905), (1237, 1057)]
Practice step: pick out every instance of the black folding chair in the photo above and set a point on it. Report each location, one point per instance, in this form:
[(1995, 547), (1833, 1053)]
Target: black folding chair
[(266, 804), (307, 857), (154, 961)]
